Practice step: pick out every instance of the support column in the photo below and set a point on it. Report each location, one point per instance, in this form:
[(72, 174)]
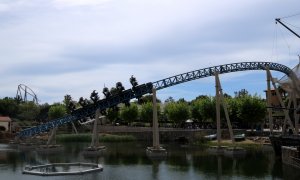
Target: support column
[(225, 109), (296, 115), (52, 137), (270, 117), (95, 136), (218, 115), (156, 151), (73, 125), (155, 122)]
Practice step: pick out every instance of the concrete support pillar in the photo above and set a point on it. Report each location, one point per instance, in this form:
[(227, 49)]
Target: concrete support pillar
[(95, 136), (155, 122), (270, 117), (52, 137), (218, 115), (73, 125), (225, 108)]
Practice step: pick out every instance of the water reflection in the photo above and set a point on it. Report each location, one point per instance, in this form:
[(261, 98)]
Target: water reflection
[(129, 161)]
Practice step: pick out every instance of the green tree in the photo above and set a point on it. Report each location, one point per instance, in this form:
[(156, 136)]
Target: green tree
[(57, 111), (208, 109), (252, 110), (177, 112), (8, 107), (149, 98), (241, 93), (28, 111), (233, 108), (169, 99), (112, 114), (43, 114), (129, 113), (195, 110), (146, 112)]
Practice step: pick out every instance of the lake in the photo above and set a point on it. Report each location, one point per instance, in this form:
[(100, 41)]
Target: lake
[(128, 161)]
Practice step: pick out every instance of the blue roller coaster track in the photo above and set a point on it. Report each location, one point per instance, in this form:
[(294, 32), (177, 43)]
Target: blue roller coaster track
[(143, 89)]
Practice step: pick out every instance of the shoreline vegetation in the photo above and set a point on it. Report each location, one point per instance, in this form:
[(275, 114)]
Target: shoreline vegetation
[(247, 144), (88, 138), (84, 137)]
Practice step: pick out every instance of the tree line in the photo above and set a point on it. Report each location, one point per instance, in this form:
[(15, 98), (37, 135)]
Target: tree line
[(244, 109)]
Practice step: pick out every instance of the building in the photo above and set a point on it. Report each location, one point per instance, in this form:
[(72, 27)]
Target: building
[(5, 123)]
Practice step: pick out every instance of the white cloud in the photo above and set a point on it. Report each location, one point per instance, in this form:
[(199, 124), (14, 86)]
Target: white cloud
[(68, 3), (75, 46)]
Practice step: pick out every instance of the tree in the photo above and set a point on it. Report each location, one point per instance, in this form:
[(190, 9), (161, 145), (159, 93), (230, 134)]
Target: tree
[(195, 109), (28, 111), (129, 113), (169, 99), (177, 112), (112, 114), (8, 107), (208, 109), (57, 111), (146, 112), (252, 110), (241, 93), (233, 108), (148, 98), (43, 114)]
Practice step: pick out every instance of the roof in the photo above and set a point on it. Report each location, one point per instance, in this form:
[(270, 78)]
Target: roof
[(5, 119)]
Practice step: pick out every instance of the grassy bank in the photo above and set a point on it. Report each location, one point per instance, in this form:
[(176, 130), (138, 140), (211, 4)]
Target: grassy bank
[(247, 144), (88, 138)]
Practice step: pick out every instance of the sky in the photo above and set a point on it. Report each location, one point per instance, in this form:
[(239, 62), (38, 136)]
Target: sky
[(59, 47)]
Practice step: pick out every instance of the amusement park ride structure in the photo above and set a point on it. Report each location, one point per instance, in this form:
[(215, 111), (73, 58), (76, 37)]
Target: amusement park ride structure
[(25, 93), (137, 91)]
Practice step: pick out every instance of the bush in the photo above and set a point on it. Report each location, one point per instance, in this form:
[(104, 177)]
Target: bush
[(88, 138)]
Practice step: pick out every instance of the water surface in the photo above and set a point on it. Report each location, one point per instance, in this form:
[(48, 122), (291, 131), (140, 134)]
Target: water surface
[(128, 161)]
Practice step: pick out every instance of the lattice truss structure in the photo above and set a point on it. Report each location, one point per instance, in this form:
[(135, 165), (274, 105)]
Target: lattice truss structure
[(138, 91)]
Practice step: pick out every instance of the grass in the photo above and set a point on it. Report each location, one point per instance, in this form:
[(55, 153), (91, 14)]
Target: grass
[(247, 144), (88, 138)]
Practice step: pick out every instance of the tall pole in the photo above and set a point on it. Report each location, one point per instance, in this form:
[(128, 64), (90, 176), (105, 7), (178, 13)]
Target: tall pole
[(52, 138), (155, 122), (95, 136), (225, 109), (270, 117), (218, 115), (296, 115)]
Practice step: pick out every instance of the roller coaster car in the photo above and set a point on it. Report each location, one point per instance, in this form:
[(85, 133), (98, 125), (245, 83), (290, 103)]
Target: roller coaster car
[(133, 81), (106, 92), (120, 87), (94, 96), (71, 106), (142, 89), (83, 102)]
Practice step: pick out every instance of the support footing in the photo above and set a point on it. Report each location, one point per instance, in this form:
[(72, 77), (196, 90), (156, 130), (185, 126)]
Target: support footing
[(154, 152), (94, 151)]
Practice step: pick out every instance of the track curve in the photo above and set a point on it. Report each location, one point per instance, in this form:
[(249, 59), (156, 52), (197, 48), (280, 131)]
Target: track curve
[(143, 89)]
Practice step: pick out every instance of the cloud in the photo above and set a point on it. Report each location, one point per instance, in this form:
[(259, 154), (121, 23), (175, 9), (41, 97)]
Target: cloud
[(74, 46), (68, 3)]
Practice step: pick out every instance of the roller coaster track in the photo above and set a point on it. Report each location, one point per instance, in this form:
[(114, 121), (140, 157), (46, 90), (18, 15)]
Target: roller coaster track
[(140, 90)]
